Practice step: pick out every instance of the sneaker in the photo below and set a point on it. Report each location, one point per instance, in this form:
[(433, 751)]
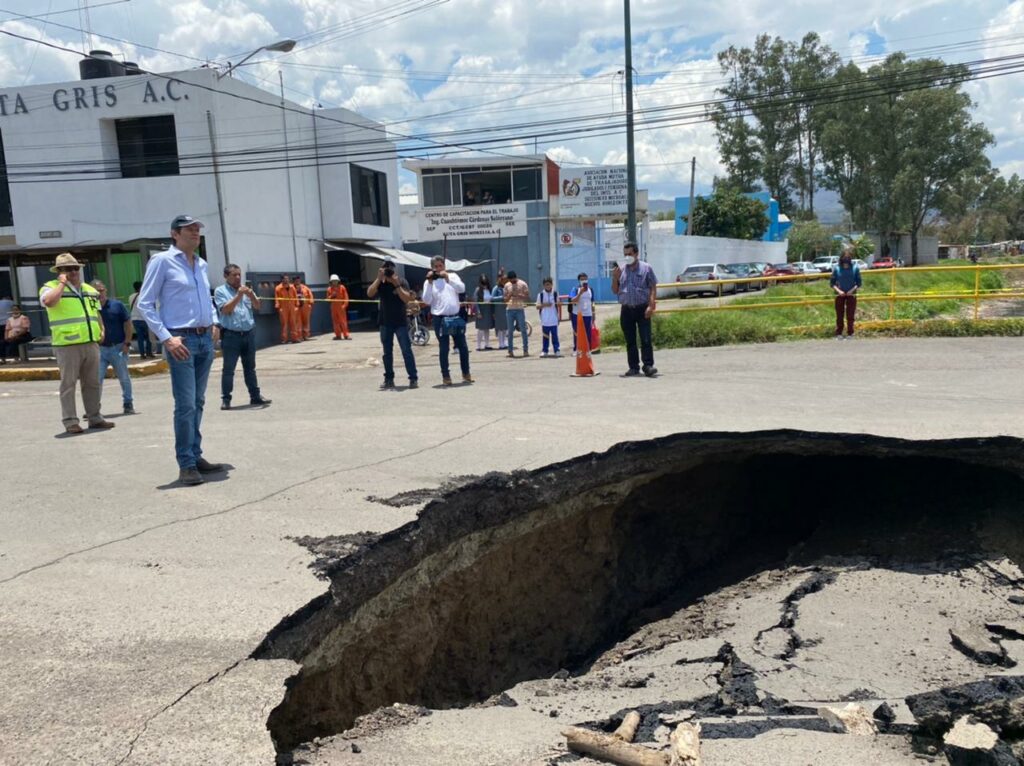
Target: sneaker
[(467, 378), (446, 381), (556, 355), (650, 370), (225, 404), (839, 336), (511, 355), (849, 337), (259, 401), (189, 477), (129, 409), (631, 373), (543, 354), (205, 466), (101, 424), (387, 385), (526, 353), (414, 383)]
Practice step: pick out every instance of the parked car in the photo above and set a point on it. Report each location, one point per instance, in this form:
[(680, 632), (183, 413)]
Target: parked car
[(781, 270), (825, 263), (805, 267), (883, 263), (861, 264), (703, 272), (757, 269), (744, 271)]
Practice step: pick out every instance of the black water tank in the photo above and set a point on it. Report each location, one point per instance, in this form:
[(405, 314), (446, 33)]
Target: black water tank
[(100, 64), (130, 67)]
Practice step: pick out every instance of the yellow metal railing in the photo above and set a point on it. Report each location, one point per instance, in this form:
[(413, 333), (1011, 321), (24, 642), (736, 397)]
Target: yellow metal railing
[(893, 296)]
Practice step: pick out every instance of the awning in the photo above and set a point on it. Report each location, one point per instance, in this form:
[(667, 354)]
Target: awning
[(403, 257)]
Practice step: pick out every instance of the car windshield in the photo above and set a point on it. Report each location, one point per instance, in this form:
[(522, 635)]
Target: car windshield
[(700, 269), (823, 259)]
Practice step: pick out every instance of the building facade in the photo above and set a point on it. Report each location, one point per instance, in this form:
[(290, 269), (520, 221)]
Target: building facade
[(99, 167)]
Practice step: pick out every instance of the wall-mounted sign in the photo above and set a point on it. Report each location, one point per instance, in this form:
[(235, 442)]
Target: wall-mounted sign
[(86, 96), (475, 222), (566, 238), (593, 191), (51, 234)]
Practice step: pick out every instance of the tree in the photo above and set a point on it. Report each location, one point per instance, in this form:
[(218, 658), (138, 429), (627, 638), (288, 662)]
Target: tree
[(807, 240), (727, 213)]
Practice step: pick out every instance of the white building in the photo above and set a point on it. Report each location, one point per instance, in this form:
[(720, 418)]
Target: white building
[(100, 167)]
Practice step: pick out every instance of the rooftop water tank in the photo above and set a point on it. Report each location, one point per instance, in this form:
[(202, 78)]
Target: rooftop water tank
[(100, 64)]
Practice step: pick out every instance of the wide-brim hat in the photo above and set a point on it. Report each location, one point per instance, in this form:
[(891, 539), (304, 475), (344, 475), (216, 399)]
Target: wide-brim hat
[(63, 261), (334, 278)]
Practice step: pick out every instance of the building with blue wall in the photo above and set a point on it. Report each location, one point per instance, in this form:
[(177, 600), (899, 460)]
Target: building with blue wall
[(777, 223)]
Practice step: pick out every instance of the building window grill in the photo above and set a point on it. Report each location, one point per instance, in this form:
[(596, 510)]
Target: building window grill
[(6, 213)]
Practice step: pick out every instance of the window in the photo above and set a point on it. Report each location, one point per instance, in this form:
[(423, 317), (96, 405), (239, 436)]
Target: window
[(6, 214), (369, 196), (526, 184), (147, 146), (437, 191), (480, 186)]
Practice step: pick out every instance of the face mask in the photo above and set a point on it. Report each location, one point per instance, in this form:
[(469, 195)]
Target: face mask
[(630, 260)]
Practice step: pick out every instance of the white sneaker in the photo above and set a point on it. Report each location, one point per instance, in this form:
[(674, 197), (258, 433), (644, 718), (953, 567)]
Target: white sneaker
[(543, 354)]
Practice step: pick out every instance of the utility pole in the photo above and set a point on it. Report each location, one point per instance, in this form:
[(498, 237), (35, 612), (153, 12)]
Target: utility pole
[(288, 171), (689, 221), (630, 161)]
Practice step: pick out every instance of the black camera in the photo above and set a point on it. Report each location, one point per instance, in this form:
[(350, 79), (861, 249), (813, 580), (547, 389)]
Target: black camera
[(389, 271), (432, 275)]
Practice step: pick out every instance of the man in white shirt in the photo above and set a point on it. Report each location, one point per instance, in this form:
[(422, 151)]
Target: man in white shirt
[(441, 292), (139, 324)]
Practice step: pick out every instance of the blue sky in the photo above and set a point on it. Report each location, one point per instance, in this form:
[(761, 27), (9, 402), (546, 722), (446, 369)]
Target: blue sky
[(437, 67)]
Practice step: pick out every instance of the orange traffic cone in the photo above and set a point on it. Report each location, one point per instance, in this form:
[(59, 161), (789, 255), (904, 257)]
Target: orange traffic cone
[(584, 364)]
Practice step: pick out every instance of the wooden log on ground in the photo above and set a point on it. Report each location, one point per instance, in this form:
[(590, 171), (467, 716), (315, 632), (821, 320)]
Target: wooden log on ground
[(686, 745), (608, 747), (627, 729)]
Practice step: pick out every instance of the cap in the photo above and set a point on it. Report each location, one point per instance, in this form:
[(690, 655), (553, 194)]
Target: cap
[(334, 278), (185, 220)]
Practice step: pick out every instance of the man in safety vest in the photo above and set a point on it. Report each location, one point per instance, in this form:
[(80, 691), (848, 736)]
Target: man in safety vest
[(76, 330)]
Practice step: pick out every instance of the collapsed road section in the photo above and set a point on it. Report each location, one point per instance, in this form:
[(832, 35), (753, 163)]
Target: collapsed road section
[(514, 577)]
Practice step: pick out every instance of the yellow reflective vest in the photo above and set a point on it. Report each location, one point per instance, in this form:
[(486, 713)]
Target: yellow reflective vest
[(76, 318)]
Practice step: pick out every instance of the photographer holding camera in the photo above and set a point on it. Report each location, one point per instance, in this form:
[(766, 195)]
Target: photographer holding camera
[(441, 293), (394, 294)]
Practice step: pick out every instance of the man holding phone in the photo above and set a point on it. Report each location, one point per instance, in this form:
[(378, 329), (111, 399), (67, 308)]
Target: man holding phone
[(394, 294), (636, 286), (441, 292)]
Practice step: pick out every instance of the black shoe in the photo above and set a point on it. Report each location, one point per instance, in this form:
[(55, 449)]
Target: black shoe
[(631, 373), (414, 383), (387, 385), (129, 409), (650, 370), (225, 404), (205, 466), (189, 477), (260, 400)]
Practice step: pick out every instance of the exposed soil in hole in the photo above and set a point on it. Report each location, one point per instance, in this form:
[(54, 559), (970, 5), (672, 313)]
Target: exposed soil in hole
[(516, 577)]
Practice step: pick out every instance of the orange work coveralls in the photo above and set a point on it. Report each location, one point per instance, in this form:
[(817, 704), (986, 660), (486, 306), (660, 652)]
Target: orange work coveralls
[(339, 309), (287, 310), (305, 310)]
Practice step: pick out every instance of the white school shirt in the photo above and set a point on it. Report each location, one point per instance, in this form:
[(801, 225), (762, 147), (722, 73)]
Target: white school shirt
[(549, 311)]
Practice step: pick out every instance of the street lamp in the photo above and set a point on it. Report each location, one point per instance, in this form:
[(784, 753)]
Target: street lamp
[(281, 46)]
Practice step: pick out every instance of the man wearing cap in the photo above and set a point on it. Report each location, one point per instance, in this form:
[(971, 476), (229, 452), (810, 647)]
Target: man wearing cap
[(175, 300), (76, 330), (236, 302), (304, 312), (337, 294)]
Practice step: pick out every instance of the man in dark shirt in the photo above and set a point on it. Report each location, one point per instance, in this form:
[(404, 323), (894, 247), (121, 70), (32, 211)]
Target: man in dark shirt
[(117, 335), (393, 294)]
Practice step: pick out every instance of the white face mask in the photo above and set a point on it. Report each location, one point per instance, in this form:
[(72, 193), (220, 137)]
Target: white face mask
[(630, 260)]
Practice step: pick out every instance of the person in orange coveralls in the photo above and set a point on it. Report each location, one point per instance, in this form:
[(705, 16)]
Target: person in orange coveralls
[(339, 307), (286, 306), (305, 307)]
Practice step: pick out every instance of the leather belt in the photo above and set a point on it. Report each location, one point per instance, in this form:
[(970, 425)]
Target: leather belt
[(235, 332), (188, 330)]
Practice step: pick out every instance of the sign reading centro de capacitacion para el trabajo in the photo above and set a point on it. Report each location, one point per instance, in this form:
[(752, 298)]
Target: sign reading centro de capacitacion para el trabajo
[(476, 222), (586, 192)]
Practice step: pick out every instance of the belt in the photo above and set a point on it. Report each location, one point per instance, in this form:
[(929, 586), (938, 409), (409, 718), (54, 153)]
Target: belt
[(234, 332), (109, 345), (188, 330)]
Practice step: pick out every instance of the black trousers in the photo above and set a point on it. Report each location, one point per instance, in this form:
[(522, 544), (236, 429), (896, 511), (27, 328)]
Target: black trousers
[(635, 323), (237, 346), (10, 347)]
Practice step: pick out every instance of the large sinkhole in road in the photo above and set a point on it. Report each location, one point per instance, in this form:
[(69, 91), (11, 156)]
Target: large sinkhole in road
[(516, 576)]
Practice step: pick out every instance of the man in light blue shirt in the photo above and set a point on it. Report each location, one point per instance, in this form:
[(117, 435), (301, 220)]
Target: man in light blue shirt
[(175, 301), (235, 303)]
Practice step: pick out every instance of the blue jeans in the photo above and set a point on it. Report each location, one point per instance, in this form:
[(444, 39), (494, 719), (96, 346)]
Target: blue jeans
[(517, 316), (142, 336), (444, 344), (235, 347), (188, 386), (387, 341), (550, 333), (113, 356)]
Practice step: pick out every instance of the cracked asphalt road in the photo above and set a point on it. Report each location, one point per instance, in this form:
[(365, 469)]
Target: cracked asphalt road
[(128, 605)]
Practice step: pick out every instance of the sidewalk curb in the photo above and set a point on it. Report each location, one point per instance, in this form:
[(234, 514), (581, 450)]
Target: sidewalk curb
[(154, 367)]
